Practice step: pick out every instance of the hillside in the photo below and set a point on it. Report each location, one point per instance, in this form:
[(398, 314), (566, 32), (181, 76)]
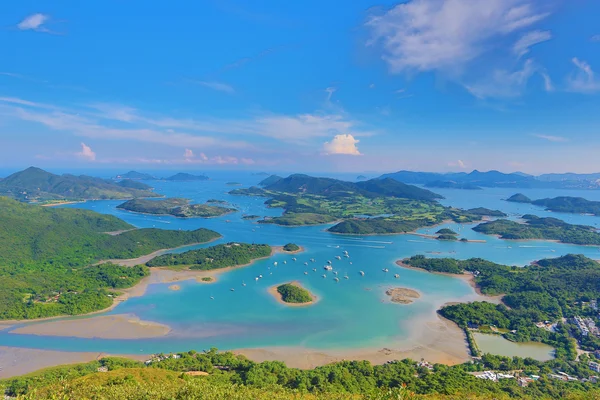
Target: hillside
[(270, 180), (519, 198), (45, 251), (304, 184), (182, 177), (132, 184), (136, 175), (34, 184)]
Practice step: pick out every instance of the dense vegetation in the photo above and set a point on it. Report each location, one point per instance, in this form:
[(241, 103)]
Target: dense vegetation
[(214, 257), (548, 290), (446, 231), (174, 206), (541, 228), (299, 219), (34, 184), (235, 377), (566, 204), (291, 293), (270, 180), (291, 247), (182, 176), (45, 254)]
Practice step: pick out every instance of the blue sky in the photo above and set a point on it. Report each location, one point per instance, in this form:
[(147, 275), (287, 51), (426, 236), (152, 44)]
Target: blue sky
[(433, 85)]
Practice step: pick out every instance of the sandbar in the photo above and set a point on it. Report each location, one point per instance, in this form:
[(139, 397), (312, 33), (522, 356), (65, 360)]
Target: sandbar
[(277, 296), (120, 326), (175, 287), (402, 295)]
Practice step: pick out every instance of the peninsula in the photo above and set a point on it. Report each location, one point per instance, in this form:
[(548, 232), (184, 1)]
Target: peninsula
[(565, 204), (176, 207), (538, 228)]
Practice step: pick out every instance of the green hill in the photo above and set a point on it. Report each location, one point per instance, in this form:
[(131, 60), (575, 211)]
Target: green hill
[(270, 180), (519, 198), (136, 175), (131, 184), (34, 184), (46, 252), (174, 206)]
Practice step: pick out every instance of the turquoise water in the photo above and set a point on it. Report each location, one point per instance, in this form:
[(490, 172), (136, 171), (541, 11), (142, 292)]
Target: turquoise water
[(353, 313)]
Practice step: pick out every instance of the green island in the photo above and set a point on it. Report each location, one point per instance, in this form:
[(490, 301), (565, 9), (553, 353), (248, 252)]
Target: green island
[(216, 201), (291, 247), (213, 375), (233, 184), (539, 228), (270, 180), (36, 185), (565, 204), (250, 216), (549, 290), (136, 175), (294, 293), (214, 257), (376, 206), (185, 177), (47, 257), (176, 207)]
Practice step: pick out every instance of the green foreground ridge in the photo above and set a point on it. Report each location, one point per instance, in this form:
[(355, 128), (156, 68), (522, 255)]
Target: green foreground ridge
[(211, 375), (294, 293), (47, 258), (176, 207), (376, 206)]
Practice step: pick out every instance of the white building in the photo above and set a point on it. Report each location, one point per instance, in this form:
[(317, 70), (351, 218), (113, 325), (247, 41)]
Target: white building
[(594, 366)]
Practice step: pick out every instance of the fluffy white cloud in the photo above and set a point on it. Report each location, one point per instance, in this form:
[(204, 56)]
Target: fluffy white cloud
[(551, 138), (342, 144), (221, 87), (583, 80), (459, 163), (426, 35), (523, 45), (188, 153), (86, 153), (503, 83), (34, 22)]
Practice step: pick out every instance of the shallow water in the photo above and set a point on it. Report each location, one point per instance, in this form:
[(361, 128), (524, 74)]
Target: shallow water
[(353, 313), (496, 344)]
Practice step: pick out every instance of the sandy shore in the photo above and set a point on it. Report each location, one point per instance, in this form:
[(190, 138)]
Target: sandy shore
[(60, 203), (402, 295), (15, 361), (277, 296), (120, 326), (279, 249), (469, 278)]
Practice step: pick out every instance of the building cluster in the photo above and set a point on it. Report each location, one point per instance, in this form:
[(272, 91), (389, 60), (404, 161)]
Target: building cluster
[(594, 366), (563, 376), (426, 364), (547, 325), (493, 376), (160, 357), (586, 326), (526, 380)]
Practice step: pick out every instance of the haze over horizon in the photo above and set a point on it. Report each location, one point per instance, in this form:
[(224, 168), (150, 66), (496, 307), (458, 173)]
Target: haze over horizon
[(422, 85)]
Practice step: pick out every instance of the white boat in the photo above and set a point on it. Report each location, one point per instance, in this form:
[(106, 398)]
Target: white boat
[(328, 267), (312, 260), (346, 277), (285, 262), (336, 279), (328, 262), (305, 273), (275, 263), (396, 276), (305, 263), (335, 272), (350, 262), (293, 258), (346, 255), (362, 273), (232, 289), (385, 270), (243, 283), (260, 276), (212, 298), (324, 276), (338, 257), (314, 270), (256, 279)]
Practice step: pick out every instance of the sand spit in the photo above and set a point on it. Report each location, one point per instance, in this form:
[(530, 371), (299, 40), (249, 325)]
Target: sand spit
[(402, 295)]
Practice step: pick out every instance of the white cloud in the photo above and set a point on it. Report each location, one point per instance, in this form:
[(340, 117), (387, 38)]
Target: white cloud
[(221, 87), (86, 153), (548, 86), (342, 144), (459, 163), (503, 83), (523, 45), (583, 80), (188, 153), (551, 138), (372, 86), (428, 35), (34, 22), (595, 38), (330, 91)]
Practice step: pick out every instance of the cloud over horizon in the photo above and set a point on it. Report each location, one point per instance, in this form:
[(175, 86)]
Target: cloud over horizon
[(342, 144)]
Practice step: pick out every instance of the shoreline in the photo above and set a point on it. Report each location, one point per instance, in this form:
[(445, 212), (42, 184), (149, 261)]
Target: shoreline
[(469, 278), (277, 296)]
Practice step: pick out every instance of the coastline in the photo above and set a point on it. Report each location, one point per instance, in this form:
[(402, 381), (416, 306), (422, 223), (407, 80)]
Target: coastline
[(277, 296)]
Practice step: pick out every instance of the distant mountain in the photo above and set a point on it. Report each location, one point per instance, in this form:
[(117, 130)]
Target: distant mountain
[(452, 185), (566, 204), (270, 180), (35, 184), (361, 178), (261, 174), (182, 176), (131, 184), (299, 183), (498, 179), (136, 175)]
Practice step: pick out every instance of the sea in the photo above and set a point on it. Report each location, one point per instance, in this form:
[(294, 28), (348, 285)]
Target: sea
[(354, 313)]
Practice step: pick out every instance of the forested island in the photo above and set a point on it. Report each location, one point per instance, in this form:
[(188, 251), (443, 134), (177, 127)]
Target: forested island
[(376, 206), (176, 207), (291, 248), (46, 258), (293, 293), (214, 257), (548, 290), (185, 177), (36, 185), (136, 175), (213, 375), (535, 227), (565, 204)]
